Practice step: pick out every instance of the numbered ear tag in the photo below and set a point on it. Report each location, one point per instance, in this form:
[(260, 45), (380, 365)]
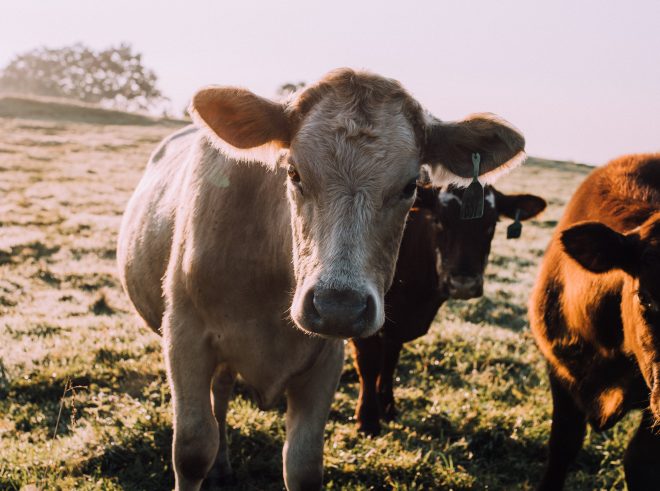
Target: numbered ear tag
[(514, 230), (473, 198)]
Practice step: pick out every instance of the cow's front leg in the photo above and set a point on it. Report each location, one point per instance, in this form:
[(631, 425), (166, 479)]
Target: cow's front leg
[(566, 436), (190, 362), (642, 456), (368, 354), (390, 359), (309, 397), (223, 386)]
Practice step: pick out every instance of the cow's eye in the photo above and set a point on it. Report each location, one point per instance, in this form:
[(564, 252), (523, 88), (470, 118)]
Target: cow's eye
[(647, 302), (409, 190), (292, 172)]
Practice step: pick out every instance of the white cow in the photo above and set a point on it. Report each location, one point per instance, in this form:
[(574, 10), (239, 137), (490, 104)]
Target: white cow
[(262, 269)]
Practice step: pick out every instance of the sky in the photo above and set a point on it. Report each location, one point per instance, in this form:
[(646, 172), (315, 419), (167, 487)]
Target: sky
[(580, 78)]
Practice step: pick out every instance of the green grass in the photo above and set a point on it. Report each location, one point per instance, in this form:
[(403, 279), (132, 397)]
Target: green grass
[(472, 394)]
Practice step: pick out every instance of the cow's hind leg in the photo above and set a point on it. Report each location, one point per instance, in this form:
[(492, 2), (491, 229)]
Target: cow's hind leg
[(223, 386), (390, 359), (368, 354), (190, 364), (566, 436), (308, 404), (642, 456)]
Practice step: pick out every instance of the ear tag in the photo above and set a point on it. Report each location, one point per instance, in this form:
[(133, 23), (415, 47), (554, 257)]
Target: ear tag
[(514, 230), (473, 198)]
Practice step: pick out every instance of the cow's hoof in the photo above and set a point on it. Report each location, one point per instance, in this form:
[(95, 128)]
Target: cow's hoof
[(369, 428)]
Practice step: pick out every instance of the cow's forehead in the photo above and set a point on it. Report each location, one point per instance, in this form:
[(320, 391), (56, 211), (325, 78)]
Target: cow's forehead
[(455, 195), (447, 197), (378, 144)]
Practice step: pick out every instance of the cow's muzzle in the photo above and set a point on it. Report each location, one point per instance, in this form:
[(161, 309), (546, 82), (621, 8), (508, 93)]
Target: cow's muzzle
[(342, 313), (463, 287)]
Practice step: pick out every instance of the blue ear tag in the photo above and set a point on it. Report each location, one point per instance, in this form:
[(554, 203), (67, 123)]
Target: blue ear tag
[(473, 198), (514, 230)]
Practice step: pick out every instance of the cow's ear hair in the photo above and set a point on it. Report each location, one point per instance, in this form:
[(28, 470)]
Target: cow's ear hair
[(427, 197), (529, 205), (449, 146), (242, 124), (599, 249)]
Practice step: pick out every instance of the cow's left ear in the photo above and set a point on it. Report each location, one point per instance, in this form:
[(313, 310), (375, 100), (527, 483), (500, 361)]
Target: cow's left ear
[(599, 249), (449, 146), (529, 205)]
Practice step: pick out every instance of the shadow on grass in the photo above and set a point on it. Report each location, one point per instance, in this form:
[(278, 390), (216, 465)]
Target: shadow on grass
[(141, 459), (40, 389), (499, 312), (33, 250)]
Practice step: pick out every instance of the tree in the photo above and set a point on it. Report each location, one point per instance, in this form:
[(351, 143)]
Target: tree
[(289, 88), (114, 76)]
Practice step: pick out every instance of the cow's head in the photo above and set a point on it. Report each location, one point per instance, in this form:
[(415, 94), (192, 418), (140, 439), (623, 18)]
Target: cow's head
[(600, 249), (463, 246), (352, 145)]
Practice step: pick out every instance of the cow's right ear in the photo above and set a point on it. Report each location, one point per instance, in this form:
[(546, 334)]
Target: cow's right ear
[(526, 205), (599, 249), (242, 124), (449, 146)]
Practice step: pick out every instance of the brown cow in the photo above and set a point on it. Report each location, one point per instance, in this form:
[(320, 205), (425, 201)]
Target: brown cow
[(262, 270), (441, 257), (595, 315)]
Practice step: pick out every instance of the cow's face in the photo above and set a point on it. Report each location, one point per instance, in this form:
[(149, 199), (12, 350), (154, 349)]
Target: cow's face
[(352, 145), (351, 183), (463, 246), (600, 249)]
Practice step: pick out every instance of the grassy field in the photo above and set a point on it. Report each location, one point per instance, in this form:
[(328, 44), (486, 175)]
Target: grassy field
[(84, 401)]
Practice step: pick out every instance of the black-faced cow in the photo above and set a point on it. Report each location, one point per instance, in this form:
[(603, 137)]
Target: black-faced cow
[(595, 315), (441, 257), (238, 264)]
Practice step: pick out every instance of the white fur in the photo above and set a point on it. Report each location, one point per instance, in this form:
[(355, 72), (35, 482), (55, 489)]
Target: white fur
[(490, 198), (446, 198)]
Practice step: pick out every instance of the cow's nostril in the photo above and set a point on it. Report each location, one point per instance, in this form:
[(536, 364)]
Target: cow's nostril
[(309, 307), (464, 287), (463, 281), (340, 306), (338, 313)]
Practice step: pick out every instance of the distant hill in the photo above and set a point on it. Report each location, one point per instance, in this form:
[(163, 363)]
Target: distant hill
[(50, 109), (53, 109)]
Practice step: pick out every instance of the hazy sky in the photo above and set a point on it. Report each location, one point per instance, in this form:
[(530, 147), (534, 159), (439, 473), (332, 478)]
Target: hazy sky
[(580, 78)]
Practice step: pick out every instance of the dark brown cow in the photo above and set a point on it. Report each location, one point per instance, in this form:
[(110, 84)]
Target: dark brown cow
[(595, 314), (441, 257)]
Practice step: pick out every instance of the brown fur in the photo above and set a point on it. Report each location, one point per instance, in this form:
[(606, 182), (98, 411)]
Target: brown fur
[(585, 312), (437, 249)]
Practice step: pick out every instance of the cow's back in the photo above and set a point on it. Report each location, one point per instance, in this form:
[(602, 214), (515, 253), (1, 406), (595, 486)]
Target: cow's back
[(145, 236), (621, 194), (214, 227)]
